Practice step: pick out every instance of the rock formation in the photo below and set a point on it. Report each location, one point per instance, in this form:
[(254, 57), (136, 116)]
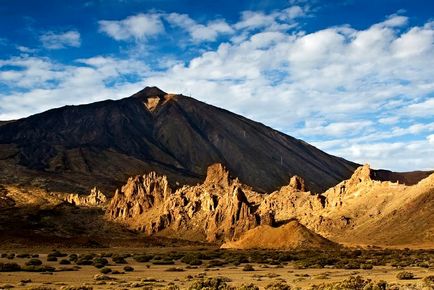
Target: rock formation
[(95, 199), (216, 210), (222, 209)]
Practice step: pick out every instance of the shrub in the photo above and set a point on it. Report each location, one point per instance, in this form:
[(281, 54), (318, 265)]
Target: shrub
[(64, 262), (9, 267), (84, 261), (218, 283), (278, 286), (248, 268), (99, 262), (57, 254), (142, 258), (248, 287), (192, 260), (366, 266), (119, 260), (73, 257), (23, 256), (128, 269), (105, 270), (174, 269), (163, 262), (33, 262), (404, 275), (40, 268), (51, 259), (429, 280)]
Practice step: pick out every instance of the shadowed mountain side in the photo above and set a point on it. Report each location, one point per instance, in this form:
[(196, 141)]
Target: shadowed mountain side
[(174, 135)]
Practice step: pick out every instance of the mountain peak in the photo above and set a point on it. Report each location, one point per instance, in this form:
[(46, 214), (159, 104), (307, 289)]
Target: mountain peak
[(149, 92)]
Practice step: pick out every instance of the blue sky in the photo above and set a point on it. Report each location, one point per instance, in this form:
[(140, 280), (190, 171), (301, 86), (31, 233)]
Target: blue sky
[(354, 78)]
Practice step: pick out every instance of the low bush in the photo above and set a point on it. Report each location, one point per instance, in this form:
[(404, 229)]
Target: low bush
[(278, 286), (99, 262), (128, 269), (404, 275), (218, 283), (33, 262), (9, 267), (40, 268), (248, 268), (142, 258), (119, 260), (248, 287), (64, 262), (163, 262), (105, 270)]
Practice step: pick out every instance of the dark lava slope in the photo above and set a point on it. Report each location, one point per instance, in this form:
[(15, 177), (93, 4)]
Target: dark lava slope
[(75, 147)]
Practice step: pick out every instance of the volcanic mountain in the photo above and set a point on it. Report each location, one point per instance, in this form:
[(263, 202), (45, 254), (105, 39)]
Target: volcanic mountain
[(74, 148)]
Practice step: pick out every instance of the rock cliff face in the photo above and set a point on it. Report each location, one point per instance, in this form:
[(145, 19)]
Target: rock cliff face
[(223, 209)]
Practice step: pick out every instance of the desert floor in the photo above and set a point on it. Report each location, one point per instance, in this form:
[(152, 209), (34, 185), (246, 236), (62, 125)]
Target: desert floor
[(149, 275)]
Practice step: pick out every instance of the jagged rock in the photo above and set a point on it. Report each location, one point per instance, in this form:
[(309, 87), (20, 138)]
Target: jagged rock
[(222, 209), (216, 210), (297, 183), (95, 199)]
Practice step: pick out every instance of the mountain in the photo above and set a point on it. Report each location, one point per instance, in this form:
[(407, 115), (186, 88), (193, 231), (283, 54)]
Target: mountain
[(74, 148)]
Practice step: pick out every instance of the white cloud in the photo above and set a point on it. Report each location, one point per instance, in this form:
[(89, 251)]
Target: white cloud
[(52, 40), (420, 109), (200, 32), (139, 27), (430, 139), (277, 20)]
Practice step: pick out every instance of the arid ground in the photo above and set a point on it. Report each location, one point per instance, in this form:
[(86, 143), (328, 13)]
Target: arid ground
[(193, 268)]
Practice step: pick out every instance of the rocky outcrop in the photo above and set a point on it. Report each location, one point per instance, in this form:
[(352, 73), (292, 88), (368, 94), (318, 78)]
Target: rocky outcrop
[(95, 199), (218, 209), (222, 209)]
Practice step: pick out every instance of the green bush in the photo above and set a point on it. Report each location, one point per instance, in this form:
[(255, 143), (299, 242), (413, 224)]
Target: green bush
[(163, 262), (278, 286), (73, 257), (142, 258), (248, 268), (192, 260), (9, 267), (40, 268), (105, 270), (248, 287), (404, 275), (99, 262), (429, 281), (218, 283), (119, 260), (33, 262), (128, 269), (64, 262)]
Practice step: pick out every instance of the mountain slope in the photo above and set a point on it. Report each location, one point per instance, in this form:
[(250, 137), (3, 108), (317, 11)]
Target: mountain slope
[(74, 148)]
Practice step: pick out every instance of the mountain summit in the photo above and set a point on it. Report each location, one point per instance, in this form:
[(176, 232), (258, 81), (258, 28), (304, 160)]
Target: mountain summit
[(75, 148)]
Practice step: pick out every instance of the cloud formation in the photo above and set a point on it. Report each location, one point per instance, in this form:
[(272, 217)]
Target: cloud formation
[(52, 40), (138, 27)]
